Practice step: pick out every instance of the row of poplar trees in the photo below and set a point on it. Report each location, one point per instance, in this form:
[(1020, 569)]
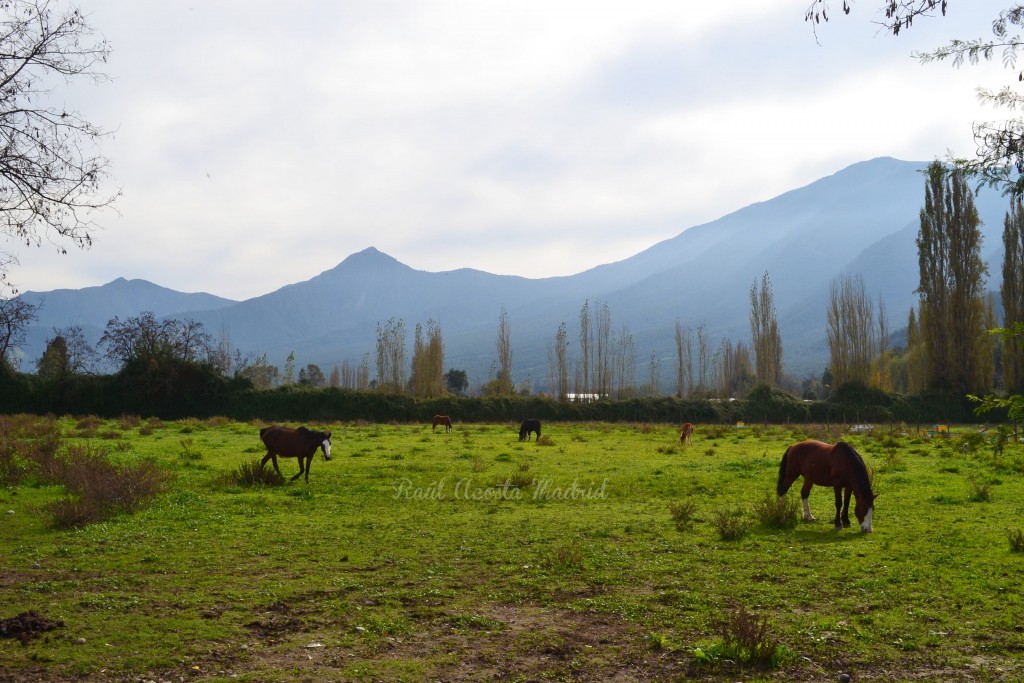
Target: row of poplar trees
[(948, 340), (949, 346)]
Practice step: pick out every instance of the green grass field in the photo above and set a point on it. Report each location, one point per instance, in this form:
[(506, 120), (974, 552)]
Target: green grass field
[(474, 557)]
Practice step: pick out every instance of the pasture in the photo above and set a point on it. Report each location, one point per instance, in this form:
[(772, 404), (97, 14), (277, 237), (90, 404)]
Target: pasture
[(600, 552)]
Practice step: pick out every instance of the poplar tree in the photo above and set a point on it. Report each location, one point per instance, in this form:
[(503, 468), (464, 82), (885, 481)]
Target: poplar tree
[(1012, 293), (952, 307), (703, 360), (391, 356), (560, 364), (684, 361), (504, 345), (850, 330), (764, 333), (585, 344), (603, 351), (428, 361)]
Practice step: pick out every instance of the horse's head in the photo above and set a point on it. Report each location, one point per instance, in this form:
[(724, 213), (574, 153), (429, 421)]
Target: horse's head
[(326, 444), (864, 510)]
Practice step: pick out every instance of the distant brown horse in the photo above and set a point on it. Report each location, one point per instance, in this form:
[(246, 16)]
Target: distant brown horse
[(300, 443), (443, 420), (686, 435), (839, 466), (527, 427)]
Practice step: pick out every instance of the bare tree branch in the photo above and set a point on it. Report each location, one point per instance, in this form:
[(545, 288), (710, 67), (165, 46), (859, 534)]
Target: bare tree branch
[(51, 175)]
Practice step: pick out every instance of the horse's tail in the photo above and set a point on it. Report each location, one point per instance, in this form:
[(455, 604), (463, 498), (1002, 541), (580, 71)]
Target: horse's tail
[(780, 486)]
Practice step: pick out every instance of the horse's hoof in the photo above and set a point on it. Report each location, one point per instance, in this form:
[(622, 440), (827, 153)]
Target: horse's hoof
[(839, 527), (846, 525)]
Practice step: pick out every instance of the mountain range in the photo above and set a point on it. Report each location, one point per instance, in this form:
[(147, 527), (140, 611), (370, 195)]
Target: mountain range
[(863, 219)]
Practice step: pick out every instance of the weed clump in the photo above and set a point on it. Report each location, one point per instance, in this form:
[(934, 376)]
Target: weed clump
[(1016, 539), (745, 639), (731, 525), (778, 513)]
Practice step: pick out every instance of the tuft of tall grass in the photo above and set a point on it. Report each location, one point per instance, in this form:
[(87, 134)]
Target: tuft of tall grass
[(1016, 539), (252, 474)]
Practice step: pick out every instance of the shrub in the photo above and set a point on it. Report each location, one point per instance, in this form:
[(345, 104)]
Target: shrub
[(682, 513), (99, 488), (127, 422), (981, 488), (28, 445), (1016, 539), (778, 513)]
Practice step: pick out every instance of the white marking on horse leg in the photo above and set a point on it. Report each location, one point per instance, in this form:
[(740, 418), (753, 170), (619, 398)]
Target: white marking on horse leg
[(865, 526), (327, 449), (808, 517)]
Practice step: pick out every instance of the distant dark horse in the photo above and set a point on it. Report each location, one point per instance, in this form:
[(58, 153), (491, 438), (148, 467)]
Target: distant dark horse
[(527, 427), (838, 466), (686, 435), (298, 443), (443, 420)]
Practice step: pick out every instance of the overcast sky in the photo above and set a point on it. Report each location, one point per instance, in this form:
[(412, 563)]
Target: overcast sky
[(260, 143)]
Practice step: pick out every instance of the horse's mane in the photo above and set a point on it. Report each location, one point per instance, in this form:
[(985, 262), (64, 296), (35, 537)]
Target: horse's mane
[(859, 468)]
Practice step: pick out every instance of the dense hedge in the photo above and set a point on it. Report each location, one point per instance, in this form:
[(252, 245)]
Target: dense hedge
[(189, 390)]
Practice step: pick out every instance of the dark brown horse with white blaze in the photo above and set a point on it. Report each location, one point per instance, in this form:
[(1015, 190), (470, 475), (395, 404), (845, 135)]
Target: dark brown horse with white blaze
[(838, 466), (301, 443), (442, 420)]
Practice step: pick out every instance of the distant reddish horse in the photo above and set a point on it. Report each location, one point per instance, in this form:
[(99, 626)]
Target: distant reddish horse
[(443, 420), (838, 466), (686, 435), (300, 443), (527, 427)]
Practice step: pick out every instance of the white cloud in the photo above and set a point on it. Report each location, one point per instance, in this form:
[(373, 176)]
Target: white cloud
[(259, 144)]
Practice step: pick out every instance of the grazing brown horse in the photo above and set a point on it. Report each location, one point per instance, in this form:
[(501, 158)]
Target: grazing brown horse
[(527, 427), (443, 420), (298, 443), (686, 435), (838, 466)]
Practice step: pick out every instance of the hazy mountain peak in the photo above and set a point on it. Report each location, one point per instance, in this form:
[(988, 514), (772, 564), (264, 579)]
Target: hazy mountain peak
[(860, 219)]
